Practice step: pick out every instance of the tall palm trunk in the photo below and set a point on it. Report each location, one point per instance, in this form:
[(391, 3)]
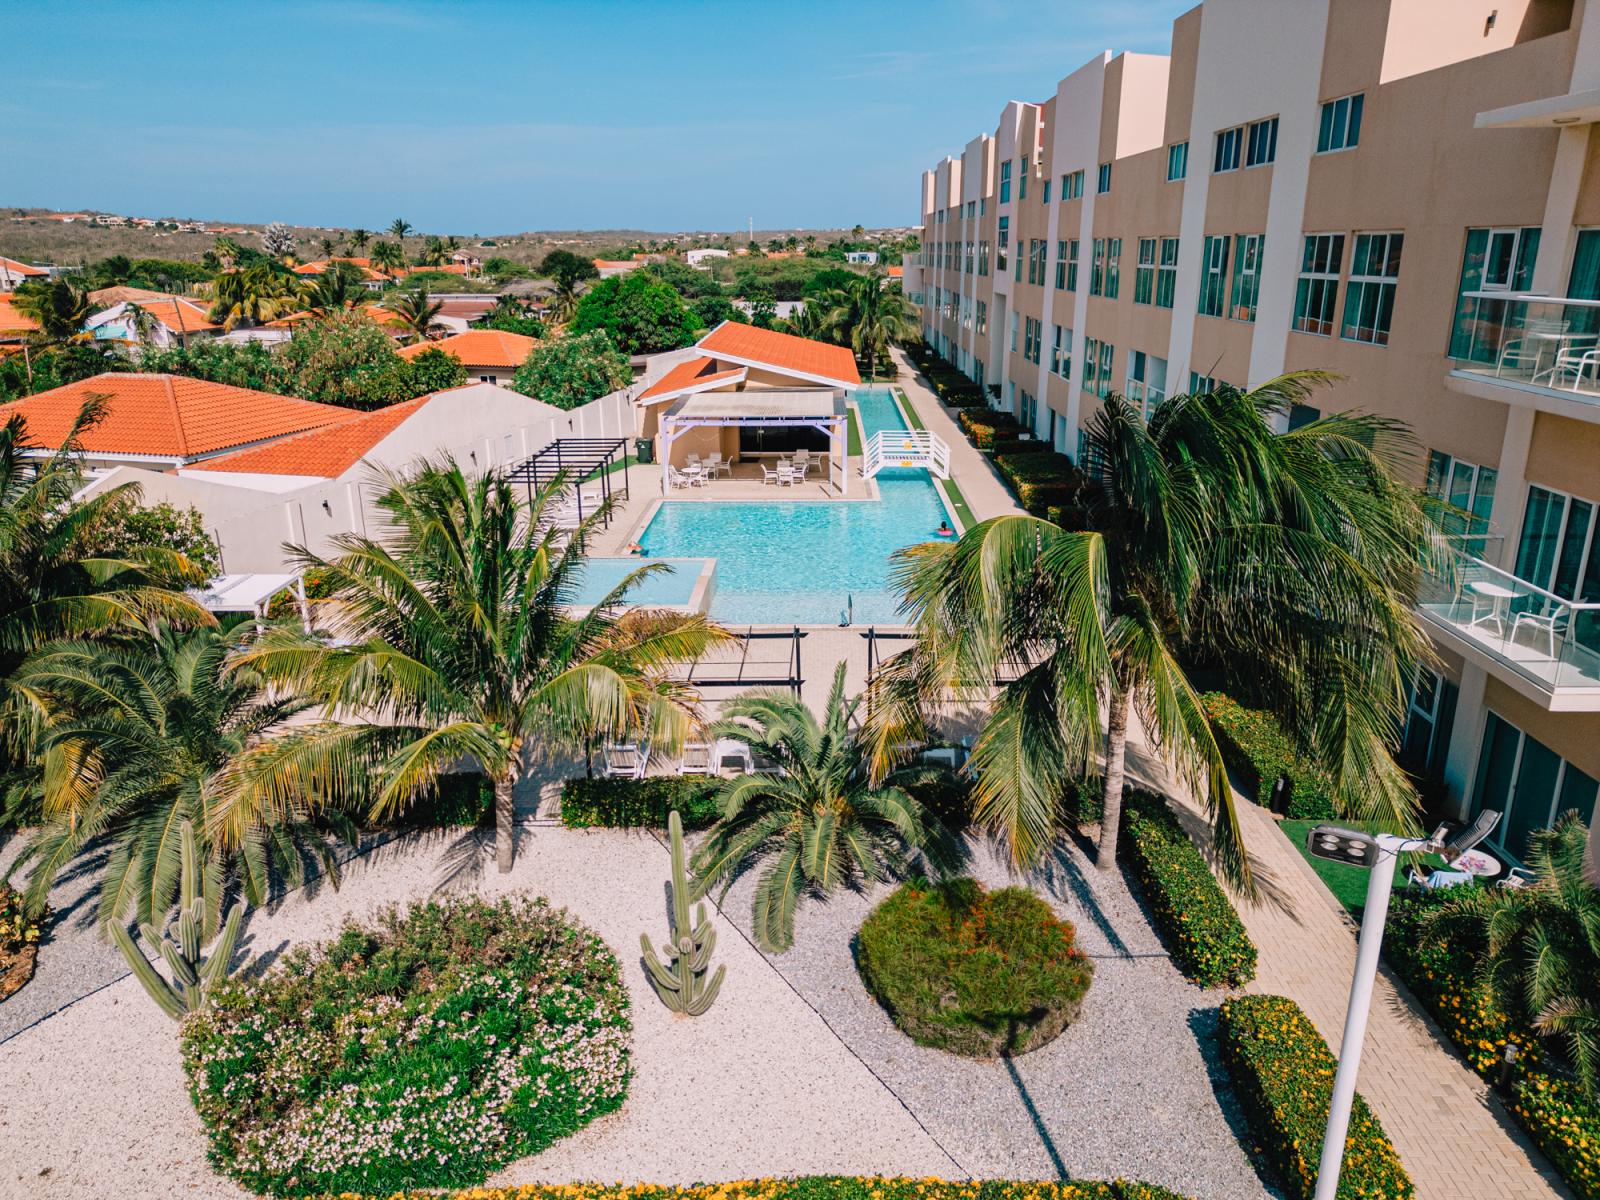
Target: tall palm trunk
[(505, 825), (1111, 801)]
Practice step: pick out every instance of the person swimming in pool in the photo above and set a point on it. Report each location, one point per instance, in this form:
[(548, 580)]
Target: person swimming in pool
[(944, 530)]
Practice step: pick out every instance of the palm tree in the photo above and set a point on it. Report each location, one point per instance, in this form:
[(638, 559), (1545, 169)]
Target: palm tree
[(456, 628), (1288, 559), (59, 307), (1538, 946), (359, 239), (820, 822), (416, 312), (263, 291), (399, 230), (868, 316), (387, 257), (338, 287), (141, 322), (141, 735), (564, 301), (329, 247), (228, 251)]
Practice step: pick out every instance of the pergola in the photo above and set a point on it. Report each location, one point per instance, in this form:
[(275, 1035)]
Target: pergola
[(813, 408), (577, 460), (251, 593)]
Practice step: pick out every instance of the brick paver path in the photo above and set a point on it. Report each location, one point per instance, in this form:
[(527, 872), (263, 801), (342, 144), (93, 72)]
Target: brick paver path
[(1455, 1140)]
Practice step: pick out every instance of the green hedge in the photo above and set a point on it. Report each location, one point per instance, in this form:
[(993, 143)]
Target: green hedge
[(1257, 750), (1283, 1074), (989, 428), (633, 803), (1560, 1119), (821, 1187), (1041, 478), (1201, 928)]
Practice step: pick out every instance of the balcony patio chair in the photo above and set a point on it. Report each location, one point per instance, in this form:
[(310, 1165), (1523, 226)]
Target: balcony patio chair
[(1438, 879), (1576, 362), (1516, 877), (732, 757), (1529, 349), (1553, 625), (696, 759)]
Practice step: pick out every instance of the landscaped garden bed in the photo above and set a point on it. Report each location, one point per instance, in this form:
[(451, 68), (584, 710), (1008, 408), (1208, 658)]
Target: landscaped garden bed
[(827, 1187), (1283, 1071), (1042, 479), (1258, 751), (19, 942), (1194, 916), (425, 1050), (989, 428), (973, 972), (632, 803)]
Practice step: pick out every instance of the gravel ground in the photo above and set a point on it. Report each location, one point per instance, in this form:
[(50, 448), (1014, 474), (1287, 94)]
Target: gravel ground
[(95, 1102), (1134, 1088)]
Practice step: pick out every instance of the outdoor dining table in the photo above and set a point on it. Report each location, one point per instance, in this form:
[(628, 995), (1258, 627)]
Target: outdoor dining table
[(1498, 597), (1477, 864)]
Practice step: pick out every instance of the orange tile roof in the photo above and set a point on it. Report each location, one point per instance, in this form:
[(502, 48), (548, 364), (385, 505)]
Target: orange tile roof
[(782, 352), (20, 268), (624, 263), (325, 453), (377, 313), (180, 316), (479, 348), (897, 272), (12, 320), (695, 373), (167, 416)]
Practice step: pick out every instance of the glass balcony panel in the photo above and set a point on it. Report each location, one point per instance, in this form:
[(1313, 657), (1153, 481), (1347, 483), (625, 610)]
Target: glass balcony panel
[(1550, 343)]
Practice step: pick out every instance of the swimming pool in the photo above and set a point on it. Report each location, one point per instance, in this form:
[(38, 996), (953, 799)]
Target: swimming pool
[(800, 562), (663, 589)]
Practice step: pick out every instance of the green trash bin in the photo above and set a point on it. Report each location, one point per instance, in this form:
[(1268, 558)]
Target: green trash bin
[(644, 449)]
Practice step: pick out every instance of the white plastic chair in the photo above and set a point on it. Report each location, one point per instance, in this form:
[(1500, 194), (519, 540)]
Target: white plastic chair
[(1528, 350), (769, 474), (696, 759), (714, 466), (677, 478), (1576, 361), (1552, 624)]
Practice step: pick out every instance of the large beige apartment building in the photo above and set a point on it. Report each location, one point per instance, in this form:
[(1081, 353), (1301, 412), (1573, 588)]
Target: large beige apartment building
[(1404, 192)]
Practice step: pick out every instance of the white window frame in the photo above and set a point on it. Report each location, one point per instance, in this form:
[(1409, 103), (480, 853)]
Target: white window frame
[(1177, 157), (1327, 121), (1214, 269), (1166, 273), (1356, 285), (1261, 136), (1227, 151), (1319, 248)]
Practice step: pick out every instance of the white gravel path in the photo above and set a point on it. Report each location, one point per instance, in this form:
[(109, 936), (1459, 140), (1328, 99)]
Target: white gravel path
[(93, 1101)]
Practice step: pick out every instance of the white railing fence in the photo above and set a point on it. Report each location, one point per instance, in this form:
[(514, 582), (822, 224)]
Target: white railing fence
[(906, 448)]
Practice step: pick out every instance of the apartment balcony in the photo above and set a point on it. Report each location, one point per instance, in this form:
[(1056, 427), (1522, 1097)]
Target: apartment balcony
[(1542, 645), (1540, 352)]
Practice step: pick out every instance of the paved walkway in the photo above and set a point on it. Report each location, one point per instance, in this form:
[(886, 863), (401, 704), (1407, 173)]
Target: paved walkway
[(1452, 1136)]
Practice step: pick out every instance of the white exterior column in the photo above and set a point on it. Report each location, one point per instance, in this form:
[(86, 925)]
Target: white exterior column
[(1511, 482), (1466, 734)]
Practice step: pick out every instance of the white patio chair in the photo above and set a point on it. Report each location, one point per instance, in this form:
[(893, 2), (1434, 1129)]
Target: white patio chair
[(1527, 350), (714, 465), (696, 759), (1516, 877), (769, 474), (803, 462), (1576, 362), (677, 478), (623, 760), (732, 757), (1552, 625)]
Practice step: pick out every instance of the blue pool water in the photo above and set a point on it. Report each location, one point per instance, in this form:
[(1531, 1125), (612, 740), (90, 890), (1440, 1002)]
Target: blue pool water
[(601, 575), (781, 562)]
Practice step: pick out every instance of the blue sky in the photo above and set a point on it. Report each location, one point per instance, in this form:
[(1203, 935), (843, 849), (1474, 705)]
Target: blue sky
[(480, 116)]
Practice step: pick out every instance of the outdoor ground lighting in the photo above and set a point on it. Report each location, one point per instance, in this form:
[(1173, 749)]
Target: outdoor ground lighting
[(1369, 850)]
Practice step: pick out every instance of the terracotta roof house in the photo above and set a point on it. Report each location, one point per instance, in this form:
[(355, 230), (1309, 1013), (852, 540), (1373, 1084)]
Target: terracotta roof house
[(615, 266), (174, 320), (13, 325), (489, 355), (13, 272), (164, 422)]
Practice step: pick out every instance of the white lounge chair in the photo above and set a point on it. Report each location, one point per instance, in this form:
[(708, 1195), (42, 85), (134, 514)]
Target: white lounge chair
[(696, 759), (625, 760)]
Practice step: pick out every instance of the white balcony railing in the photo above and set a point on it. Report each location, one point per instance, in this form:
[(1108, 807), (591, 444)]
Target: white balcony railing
[(1546, 343), (1548, 644)]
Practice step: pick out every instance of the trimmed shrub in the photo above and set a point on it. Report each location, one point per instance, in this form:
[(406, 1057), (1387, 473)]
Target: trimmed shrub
[(632, 803), (1560, 1119), (1041, 478), (1257, 750), (1283, 1073), (426, 1050), (824, 1187), (988, 428), (1201, 928), (973, 972)]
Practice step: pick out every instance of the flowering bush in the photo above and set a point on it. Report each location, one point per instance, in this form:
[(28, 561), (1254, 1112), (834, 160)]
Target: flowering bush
[(1208, 941), (825, 1187), (1283, 1073), (425, 1051), (1256, 749), (973, 972), (17, 929)]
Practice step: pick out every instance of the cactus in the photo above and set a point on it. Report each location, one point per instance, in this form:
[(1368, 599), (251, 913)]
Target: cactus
[(682, 983), (193, 977)]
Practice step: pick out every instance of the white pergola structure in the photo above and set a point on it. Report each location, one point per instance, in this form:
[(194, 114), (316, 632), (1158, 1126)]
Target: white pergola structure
[(252, 593), (814, 408)]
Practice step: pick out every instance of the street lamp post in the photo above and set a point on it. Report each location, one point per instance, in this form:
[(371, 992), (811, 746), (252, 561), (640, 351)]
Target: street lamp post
[(1377, 853)]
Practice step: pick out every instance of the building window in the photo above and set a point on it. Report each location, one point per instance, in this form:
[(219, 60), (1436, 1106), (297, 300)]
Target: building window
[(1113, 267), (983, 317), (1103, 183), (1044, 192), (1022, 180), (1495, 260), (1005, 182), (1528, 783), (1097, 267), (1061, 265), (1102, 387), (1369, 296), (1226, 155), (983, 258), (1027, 411), (1213, 276), (1560, 553), (1018, 275), (1201, 385), (1015, 323), (1246, 276), (1147, 381), (1316, 294), (1341, 124), (970, 257), (1072, 186), (1061, 353), (1072, 265), (1430, 713), (983, 208), (1167, 273), (1262, 143), (1003, 244), (1097, 356), (1144, 273), (1177, 161), (1465, 486), (1030, 339)]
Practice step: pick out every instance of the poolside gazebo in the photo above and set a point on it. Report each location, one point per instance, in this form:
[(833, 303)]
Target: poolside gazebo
[(821, 409)]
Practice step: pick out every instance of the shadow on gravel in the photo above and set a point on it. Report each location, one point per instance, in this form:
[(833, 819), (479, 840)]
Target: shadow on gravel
[(1203, 1025), (1045, 1139), (1063, 879)]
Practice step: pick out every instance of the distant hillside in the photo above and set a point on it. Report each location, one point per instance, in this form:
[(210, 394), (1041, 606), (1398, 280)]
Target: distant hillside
[(34, 235)]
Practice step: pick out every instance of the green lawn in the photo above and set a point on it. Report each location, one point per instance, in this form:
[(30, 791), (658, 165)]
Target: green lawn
[(912, 418), (1348, 884), (964, 518), (855, 435), (626, 461)]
